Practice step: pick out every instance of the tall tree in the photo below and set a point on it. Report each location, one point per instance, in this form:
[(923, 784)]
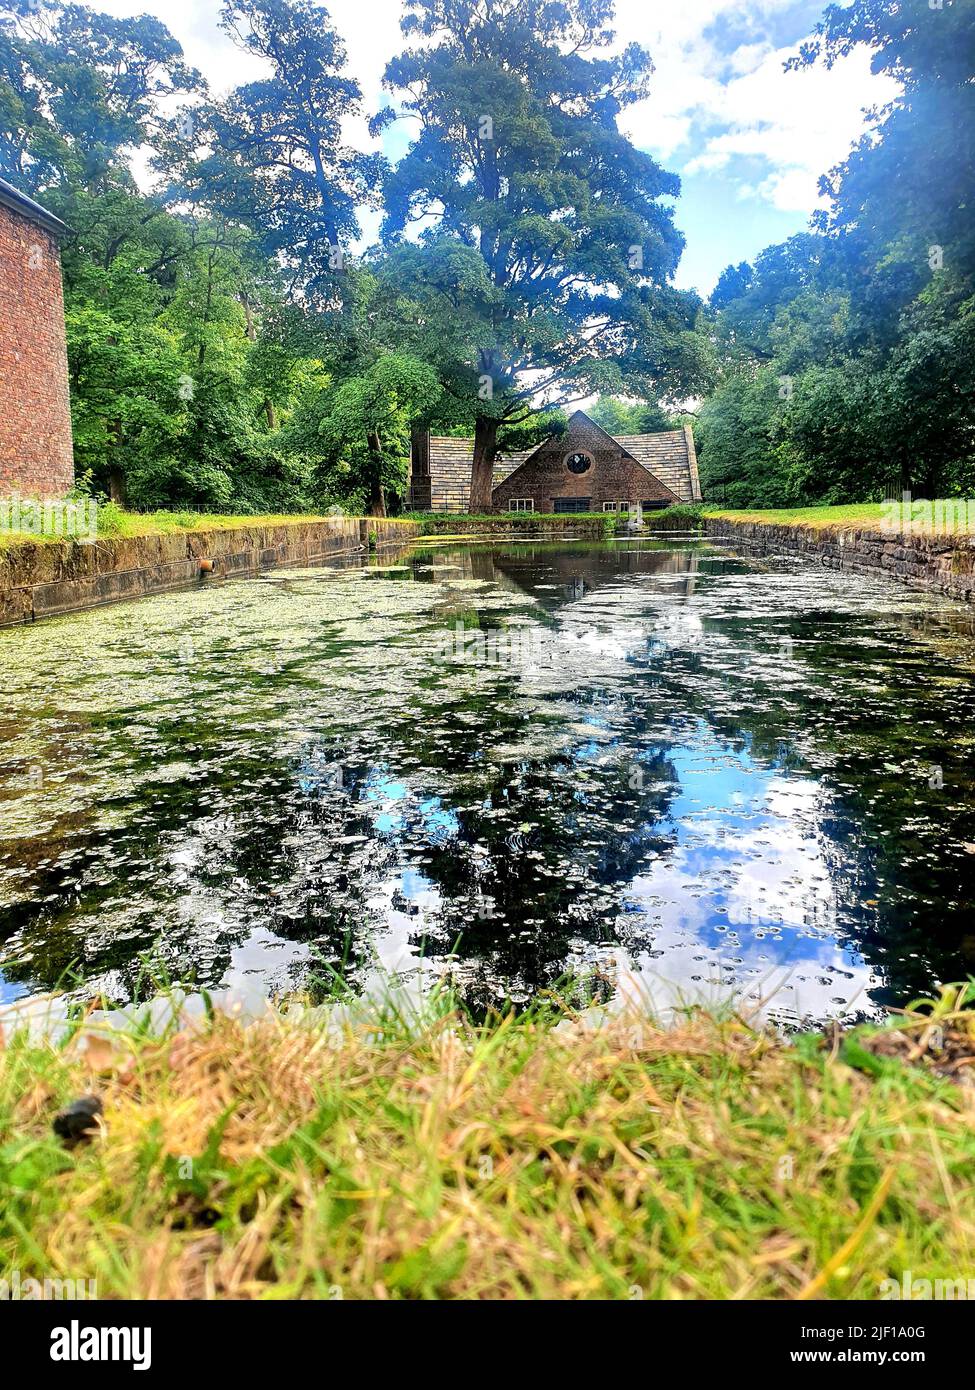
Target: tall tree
[(273, 154), (79, 90), (617, 416), (520, 161), (834, 336)]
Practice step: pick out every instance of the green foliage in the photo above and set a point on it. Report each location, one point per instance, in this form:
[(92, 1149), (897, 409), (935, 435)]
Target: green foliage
[(79, 89), (237, 357), (273, 156), (630, 417), (367, 421), (503, 523), (847, 353), (546, 270), (735, 438), (185, 363), (683, 516)]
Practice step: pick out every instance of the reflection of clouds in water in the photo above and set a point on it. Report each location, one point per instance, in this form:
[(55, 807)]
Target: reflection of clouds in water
[(747, 893), (401, 902), (679, 629), (330, 783)]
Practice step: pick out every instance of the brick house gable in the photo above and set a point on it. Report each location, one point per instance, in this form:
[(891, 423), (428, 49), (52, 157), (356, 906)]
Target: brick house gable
[(652, 470), (614, 475)]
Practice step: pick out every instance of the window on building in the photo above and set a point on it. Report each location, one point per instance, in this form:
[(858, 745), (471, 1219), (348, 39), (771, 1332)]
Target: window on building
[(572, 504), (578, 462), (610, 506), (521, 504)]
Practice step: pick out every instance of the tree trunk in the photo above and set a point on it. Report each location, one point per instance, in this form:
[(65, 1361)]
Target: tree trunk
[(117, 491), (270, 415), (116, 485), (482, 476), (377, 493)]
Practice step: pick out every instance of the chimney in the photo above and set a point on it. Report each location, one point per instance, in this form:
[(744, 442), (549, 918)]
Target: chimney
[(420, 451), (692, 463)]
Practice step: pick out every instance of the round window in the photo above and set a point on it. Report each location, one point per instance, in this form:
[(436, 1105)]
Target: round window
[(578, 463)]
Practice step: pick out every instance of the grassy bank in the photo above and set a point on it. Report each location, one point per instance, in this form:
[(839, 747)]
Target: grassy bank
[(115, 523), (952, 514), (518, 1159), (456, 525)]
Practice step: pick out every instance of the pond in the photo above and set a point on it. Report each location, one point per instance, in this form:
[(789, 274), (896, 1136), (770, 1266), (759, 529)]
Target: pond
[(508, 765)]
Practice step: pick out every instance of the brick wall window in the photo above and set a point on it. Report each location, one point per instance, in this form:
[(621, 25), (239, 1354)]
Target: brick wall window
[(572, 504), (521, 504)]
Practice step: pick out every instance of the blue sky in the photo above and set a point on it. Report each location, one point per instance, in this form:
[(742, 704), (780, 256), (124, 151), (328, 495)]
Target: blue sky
[(748, 139)]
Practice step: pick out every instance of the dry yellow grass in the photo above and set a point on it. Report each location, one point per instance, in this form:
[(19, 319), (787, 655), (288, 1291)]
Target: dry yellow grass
[(516, 1160)]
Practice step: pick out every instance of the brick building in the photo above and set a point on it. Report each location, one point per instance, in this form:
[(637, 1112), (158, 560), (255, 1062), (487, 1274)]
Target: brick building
[(583, 470), (36, 458)]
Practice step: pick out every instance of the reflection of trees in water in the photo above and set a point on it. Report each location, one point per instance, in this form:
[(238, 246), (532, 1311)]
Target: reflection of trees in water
[(279, 859), (279, 845), (540, 864)]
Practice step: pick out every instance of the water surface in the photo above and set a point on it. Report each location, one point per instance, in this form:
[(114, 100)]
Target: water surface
[(732, 776)]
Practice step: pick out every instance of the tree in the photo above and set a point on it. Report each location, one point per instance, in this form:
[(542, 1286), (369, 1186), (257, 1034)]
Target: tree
[(79, 90), (864, 324), (547, 236), (736, 434), (367, 421), (733, 281), (618, 417), (274, 157), (184, 361), (904, 192)]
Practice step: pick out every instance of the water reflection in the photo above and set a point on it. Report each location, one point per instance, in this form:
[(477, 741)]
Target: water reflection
[(726, 777)]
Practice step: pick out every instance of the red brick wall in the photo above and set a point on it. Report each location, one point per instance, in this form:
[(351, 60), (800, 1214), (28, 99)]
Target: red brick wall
[(613, 476), (35, 417)]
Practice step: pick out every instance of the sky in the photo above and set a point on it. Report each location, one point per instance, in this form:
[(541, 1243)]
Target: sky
[(748, 139)]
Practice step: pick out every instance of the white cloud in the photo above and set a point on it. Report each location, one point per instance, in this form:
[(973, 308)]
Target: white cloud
[(717, 105), (713, 107), (801, 123), (370, 29)]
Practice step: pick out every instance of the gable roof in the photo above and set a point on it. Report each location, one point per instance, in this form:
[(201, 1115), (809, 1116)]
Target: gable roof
[(668, 455), (451, 467)]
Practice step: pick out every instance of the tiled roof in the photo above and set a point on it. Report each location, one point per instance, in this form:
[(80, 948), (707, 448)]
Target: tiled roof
[(451, 466), (665, 456)]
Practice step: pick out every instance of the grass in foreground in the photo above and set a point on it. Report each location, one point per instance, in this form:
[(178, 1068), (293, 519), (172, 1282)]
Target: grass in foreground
[(515, 1160)]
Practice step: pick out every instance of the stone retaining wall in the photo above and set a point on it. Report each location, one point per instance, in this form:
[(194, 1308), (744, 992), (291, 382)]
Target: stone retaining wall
[(40, 579), (944, 564)]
